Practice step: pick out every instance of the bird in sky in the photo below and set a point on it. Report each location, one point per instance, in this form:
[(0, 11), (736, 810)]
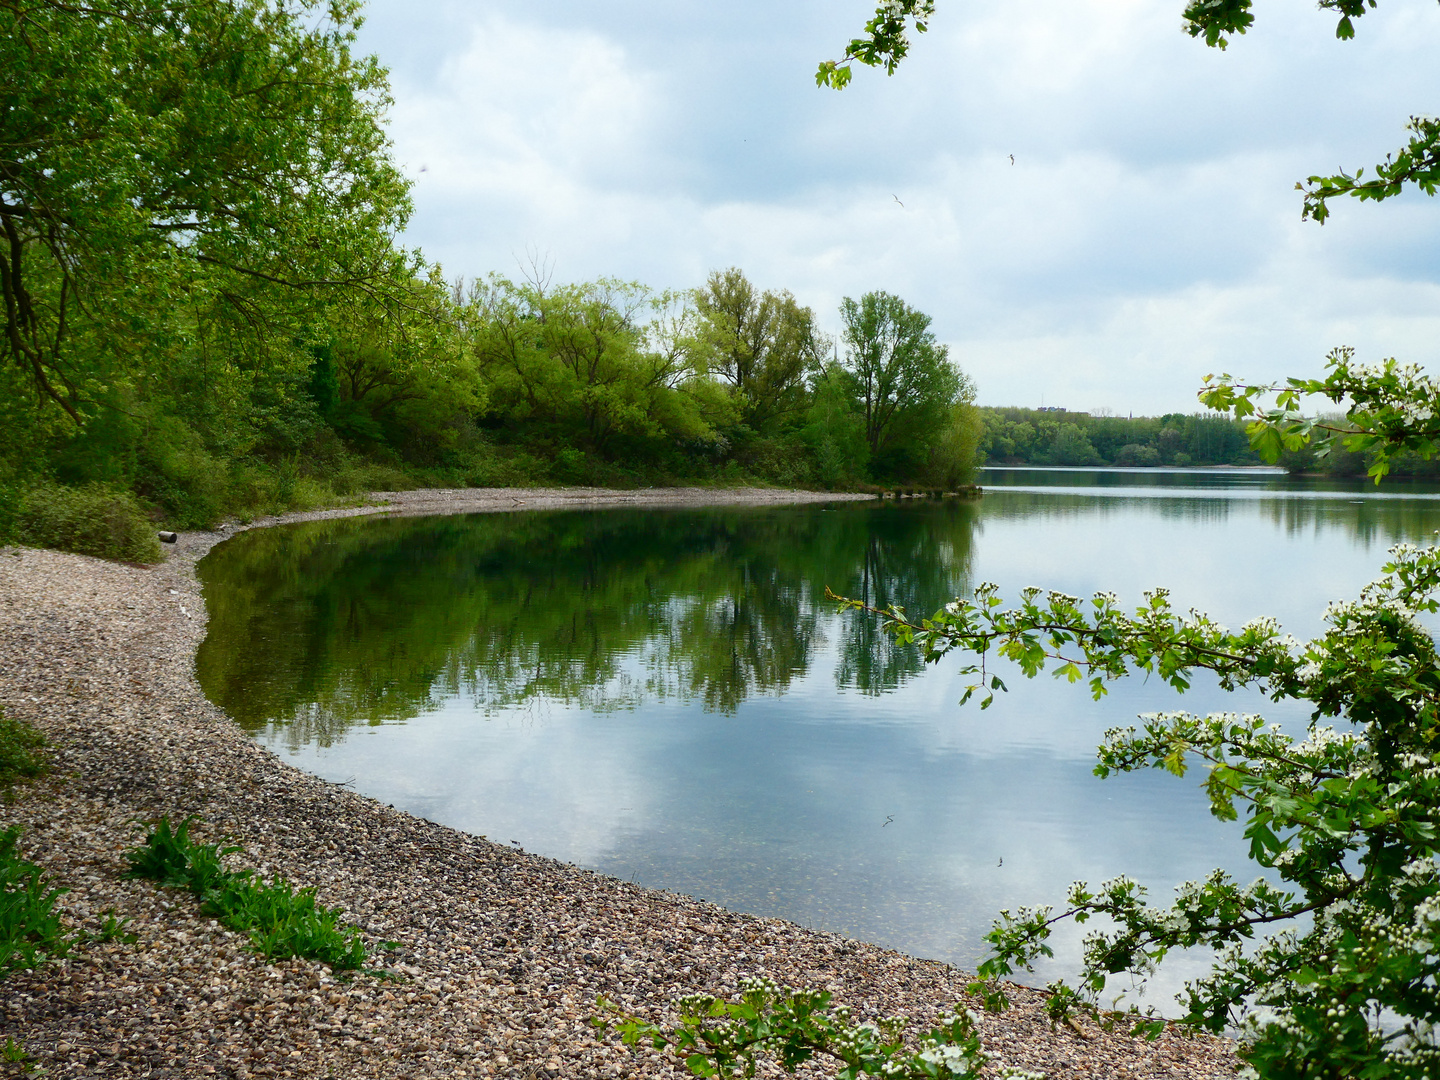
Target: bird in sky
[(1012, 159), (897, 199)]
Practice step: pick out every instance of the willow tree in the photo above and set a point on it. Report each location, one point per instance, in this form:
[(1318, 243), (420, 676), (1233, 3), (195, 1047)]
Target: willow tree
[(164, 162), (763, 344)]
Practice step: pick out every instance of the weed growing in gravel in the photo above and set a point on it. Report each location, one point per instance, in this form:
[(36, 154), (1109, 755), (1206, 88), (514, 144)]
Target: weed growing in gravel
[(114, 928), (281, 920), (768, 1023), (12, 1052), (21, 755), (171, 858), (30, 930)]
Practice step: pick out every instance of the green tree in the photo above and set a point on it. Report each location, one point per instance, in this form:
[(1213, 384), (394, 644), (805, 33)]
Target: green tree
[(834, 429), (169, 161), (902, 377), (605, 364), (762, 344), (1071, 446)]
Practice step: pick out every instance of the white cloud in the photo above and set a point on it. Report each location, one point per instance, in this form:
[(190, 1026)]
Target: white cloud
[(1147, 232)]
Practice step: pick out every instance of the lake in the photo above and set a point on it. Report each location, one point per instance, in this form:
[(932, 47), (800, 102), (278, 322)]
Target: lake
[(666, 696)]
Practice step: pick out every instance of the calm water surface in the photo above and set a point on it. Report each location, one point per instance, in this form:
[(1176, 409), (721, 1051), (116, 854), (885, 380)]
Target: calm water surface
[(666, 696)]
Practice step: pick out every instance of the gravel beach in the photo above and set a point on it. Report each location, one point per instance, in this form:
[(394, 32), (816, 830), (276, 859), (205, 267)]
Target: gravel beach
[(499, 954)]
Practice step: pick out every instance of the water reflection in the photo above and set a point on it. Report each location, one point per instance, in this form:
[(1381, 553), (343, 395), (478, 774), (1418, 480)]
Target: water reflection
[(324, 625), (665, 695)]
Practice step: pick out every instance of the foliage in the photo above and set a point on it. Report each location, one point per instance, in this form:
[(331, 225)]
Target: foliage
[(172, 163), (1391, 409), (205, 306), (584, 363), (93, 520), (280, 920), (1417, 162), (1345, 819), (834, 430), (718, 1038), (901, 377), (30, 930), (954, 450), (283, 921), (13, 1052), (21, 754), (886, 41), (761, 344), (1035, 437)]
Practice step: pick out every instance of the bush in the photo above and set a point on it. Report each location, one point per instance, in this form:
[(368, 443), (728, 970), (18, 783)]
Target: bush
[(777, 1025), (1326, 967), (9, 510), (92, 520), (1136, 454)]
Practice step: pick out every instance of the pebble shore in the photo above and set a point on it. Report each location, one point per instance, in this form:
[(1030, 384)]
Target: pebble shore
[(498, 954)]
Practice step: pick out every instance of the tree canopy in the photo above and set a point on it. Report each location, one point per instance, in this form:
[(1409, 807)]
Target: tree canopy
[(763, 344), (902, 376), (170, 162)]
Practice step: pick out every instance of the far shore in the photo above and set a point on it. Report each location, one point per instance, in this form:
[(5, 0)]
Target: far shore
[(492, 957)]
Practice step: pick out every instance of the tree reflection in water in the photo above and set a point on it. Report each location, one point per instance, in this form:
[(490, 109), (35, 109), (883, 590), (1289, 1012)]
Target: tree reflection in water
[(323, 625)]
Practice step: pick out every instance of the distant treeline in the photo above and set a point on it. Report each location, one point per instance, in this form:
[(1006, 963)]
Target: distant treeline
[(1014, 436), (1039, 437)]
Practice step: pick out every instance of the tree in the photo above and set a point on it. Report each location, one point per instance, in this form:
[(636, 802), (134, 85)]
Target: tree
[(902, 377), (762, 343), (589, 360), (163, 161), (1346, 819)]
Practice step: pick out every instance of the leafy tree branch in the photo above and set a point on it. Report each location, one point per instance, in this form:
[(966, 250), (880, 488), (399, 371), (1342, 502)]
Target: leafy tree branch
[(1343, 819)]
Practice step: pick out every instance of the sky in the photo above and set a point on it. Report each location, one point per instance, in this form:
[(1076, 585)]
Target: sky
[(1146, 233)]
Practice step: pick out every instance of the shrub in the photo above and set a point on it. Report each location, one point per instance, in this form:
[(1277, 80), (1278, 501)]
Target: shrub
[(1137, 454), (1327, 967), (9, 509), (92, 520), (771, 1023)]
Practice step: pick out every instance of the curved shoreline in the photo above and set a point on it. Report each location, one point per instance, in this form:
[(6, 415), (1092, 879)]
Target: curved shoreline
[(500, 953)]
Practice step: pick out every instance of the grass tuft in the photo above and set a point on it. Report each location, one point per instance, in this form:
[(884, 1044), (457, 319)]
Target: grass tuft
[(30, 930), (282, 921), (22, 755)]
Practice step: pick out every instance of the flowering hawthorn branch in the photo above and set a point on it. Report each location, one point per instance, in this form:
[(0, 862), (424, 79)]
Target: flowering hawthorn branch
[(1345, 820)]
